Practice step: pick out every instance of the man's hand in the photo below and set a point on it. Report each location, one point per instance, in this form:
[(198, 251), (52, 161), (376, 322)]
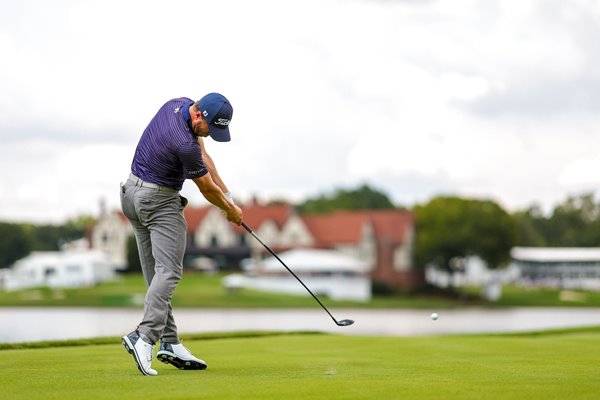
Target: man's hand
[(234, 215), (214, 195)]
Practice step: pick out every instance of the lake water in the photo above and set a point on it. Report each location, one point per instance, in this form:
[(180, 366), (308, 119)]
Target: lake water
[(35, 324)]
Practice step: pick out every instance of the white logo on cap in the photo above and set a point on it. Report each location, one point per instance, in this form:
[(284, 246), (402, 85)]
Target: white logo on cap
[(222, 121), (205, 113)]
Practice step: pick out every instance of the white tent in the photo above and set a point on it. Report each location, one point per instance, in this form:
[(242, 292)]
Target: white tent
[(325, 272), (59, 269), (556, 254), (576, 268), (307, 261)]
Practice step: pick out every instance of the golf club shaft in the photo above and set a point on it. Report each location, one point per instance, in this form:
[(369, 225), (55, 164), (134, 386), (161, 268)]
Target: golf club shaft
[(289, 270)]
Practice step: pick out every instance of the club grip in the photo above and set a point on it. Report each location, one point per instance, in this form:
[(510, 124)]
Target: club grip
[(246, 227)]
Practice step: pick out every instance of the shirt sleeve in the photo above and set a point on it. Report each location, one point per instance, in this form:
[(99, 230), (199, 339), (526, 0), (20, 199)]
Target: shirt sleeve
[(190, 156)]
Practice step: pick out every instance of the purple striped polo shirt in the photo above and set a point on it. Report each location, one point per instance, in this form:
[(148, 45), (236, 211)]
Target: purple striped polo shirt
[(168, 152)]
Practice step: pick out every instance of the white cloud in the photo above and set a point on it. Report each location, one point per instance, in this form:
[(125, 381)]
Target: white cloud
[(582, 172), (420, 97), (51, 182)]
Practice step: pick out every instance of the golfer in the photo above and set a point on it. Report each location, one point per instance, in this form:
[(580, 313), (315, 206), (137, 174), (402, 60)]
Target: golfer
[(171, 150)]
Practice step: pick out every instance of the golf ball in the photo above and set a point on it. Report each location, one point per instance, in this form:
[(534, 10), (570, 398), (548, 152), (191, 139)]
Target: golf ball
[(434, 316)]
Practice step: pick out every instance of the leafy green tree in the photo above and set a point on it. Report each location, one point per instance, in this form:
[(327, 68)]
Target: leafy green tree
[(14, 243), (81, 223), (51, 237), (133, 256), (361, 198), (531, 225), (451, 228), (574, 222)]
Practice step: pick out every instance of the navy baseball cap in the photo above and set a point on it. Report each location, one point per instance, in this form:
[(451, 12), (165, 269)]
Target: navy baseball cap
[(217, 112)]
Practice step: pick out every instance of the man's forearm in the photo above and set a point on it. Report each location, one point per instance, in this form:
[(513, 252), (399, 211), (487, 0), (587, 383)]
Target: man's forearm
[(212, 192), (214, 173), (214, 195)]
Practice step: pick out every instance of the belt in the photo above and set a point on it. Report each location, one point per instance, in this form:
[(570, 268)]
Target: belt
[(141, 183)]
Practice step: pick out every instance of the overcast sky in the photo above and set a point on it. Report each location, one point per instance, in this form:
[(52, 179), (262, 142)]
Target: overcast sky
[(487, 99)]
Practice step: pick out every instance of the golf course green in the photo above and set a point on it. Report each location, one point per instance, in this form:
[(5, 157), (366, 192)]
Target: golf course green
[(541, 365), (197, 290)]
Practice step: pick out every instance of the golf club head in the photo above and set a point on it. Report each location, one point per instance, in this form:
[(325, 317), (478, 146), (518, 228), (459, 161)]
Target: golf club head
[(344, 322)]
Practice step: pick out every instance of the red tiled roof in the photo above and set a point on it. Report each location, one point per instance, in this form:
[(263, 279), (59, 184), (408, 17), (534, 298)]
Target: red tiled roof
[(392, 224), (254, 215), (121, 216), (347, 226), (333, 228), (195, 215), (327, 229)]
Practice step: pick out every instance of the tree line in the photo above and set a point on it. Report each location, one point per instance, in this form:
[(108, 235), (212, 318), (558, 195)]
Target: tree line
[(448, 227), (451, 227), (18, 240)]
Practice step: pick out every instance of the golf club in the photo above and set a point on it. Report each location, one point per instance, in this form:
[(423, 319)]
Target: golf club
[(344, 322)]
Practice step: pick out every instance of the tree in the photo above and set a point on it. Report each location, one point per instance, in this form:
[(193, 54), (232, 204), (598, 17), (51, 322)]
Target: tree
[(574, 222), (362, 198), (531, 225), (14, 244), (133, 255), (51, 237), (450, 228)]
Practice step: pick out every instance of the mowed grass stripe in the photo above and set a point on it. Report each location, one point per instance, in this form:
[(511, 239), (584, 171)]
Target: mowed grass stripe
[(321, 367)]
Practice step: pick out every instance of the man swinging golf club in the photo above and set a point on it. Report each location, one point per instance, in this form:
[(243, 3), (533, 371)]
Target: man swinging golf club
[(171, 150)]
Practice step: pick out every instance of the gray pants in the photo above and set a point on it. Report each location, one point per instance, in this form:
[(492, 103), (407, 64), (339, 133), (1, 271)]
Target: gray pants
[(160, 232)]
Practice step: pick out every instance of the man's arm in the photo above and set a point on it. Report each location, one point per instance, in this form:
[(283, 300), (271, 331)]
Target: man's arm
[(212, 169), (214, 195)]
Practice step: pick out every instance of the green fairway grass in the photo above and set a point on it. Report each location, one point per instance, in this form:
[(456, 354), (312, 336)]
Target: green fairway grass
[(196, 290), (553, 365)]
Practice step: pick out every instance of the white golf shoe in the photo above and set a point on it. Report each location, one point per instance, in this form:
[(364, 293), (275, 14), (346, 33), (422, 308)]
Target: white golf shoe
[(141, 352), (179, 356)]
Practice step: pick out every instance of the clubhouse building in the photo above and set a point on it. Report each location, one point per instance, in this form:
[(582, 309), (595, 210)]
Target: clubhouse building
[(377, 246)]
